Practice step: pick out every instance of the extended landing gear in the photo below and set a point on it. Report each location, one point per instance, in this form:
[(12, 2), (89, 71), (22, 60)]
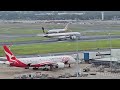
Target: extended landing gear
[(45, 69), (26, 67), (35, 68), (51, 68), (59, 39), (69, 65)]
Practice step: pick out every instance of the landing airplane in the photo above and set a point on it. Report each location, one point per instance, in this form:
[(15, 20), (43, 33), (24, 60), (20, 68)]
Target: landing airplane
[(36, 62), (56, 30), (60, 36)]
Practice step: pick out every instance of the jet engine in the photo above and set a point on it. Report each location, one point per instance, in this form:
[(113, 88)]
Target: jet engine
[(73, 37), (60, 65)]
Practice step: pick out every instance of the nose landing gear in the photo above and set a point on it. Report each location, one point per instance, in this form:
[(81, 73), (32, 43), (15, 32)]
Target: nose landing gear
[(69, 65)]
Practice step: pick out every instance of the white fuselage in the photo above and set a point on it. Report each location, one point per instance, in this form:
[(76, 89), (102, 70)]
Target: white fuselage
[(62, 34), (47, 60), (57, 61)]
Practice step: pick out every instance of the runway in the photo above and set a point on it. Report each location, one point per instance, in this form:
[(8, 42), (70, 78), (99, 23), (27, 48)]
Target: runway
[(82, 38), (12, 36)]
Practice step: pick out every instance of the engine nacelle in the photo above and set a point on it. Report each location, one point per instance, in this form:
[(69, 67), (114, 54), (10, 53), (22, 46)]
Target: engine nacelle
[(60, 65), (73, 37)]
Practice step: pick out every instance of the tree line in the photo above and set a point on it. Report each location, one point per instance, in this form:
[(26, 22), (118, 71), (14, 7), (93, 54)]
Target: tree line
[(51, 15)]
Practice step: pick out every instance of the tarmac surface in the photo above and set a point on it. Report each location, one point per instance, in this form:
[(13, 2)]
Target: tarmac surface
[(7, 72)]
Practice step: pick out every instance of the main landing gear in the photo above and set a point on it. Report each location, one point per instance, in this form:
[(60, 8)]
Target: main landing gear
[(69, 65), (45, 69), (28, 66), (35, 68), (51, 67)]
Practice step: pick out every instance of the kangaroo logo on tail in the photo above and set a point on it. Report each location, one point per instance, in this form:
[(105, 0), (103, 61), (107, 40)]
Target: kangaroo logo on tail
[(10, 56), (12, 59)]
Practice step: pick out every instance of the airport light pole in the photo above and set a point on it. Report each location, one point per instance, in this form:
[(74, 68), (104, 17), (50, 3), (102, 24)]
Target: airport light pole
[(110, 49), (77, 56)]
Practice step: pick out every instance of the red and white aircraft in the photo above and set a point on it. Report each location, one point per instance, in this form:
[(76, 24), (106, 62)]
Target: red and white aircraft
[(36, 62)]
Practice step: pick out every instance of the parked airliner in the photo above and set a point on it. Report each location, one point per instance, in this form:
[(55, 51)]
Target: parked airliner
[(36, 62)]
